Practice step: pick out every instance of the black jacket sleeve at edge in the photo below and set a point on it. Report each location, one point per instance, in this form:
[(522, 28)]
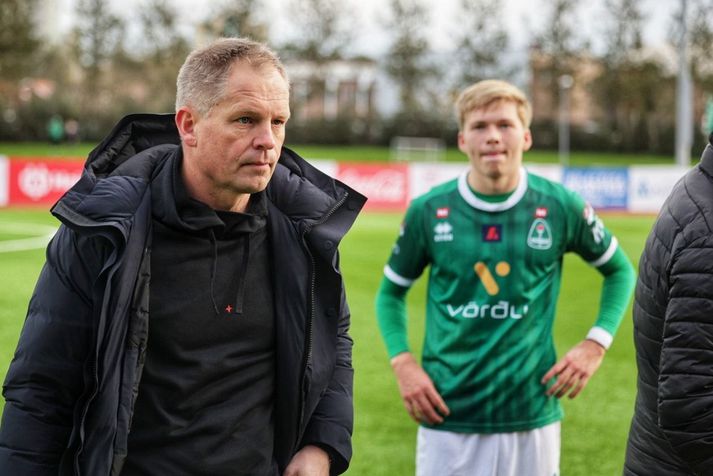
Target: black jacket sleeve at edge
[(685, 395), (45, 377), (332, 422)]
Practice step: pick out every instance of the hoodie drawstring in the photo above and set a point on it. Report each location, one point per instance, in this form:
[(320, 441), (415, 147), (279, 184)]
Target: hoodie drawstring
[(213, 270), (242, 272)]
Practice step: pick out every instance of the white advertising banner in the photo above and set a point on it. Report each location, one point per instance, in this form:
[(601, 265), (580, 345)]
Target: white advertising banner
[(329, 167), (649, 185), (548, 171), (424, 176), (4, 181)]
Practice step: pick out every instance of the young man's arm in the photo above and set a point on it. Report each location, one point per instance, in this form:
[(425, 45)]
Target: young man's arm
[(574, 370), (421, 399)]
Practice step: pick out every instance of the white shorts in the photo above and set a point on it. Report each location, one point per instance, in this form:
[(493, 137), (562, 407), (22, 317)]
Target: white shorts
[(525, 453)]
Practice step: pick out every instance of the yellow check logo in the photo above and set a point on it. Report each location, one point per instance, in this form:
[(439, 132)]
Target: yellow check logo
[(486, 277)]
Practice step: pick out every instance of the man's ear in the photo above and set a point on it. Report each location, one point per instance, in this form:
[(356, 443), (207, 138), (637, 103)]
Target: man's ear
[(461, 142), (186, 121), (528, 140)]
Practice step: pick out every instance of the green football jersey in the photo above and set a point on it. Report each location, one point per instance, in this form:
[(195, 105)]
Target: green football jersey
[(494, 279)]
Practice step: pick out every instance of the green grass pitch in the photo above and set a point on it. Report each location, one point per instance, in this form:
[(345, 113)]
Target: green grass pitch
[(596, 423)]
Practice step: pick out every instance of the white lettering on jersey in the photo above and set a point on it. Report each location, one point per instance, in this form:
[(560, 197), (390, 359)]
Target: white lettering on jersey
[(501, 310), (443, 231)]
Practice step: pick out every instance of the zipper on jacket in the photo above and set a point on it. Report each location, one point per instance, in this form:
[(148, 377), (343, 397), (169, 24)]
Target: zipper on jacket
[(308, 329), (80, 447)]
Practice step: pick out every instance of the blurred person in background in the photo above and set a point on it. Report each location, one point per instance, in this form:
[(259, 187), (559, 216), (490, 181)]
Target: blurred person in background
[(191, 315), (672, 429), (486, 394)]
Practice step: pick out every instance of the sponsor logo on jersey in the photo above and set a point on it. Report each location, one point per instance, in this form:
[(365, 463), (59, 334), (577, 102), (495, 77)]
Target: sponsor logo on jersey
[(540, 235), (492, 233), (443, 232), (500, 310), (541, 212), (443, 212), (502, 269)]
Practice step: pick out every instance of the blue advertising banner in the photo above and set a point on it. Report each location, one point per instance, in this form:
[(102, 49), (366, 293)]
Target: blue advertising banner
[(603, 188)]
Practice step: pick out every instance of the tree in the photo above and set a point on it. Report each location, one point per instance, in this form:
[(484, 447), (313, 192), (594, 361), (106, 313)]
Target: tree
[(701, 39), (482, 41), (324, 30), (98, 33), (18, 42), (624, 87), (237, 18), (407, 59), (559, 43), (167, 49)]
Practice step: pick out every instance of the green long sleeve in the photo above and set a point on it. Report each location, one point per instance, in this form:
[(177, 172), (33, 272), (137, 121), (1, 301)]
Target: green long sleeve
[(619, 280), (391, 316)]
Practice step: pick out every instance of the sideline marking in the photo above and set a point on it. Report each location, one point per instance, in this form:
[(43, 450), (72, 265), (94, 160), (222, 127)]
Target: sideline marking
[(42, 235)]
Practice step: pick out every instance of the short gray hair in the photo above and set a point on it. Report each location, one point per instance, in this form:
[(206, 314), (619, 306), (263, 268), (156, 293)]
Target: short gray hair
[(203, 76)]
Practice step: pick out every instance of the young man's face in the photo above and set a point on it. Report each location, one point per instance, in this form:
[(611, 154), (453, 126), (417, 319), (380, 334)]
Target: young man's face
[(232, 150), (494, 139)]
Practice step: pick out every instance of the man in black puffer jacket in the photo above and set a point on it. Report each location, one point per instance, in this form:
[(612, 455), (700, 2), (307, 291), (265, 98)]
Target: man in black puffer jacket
[(672, 429), (191, 317)]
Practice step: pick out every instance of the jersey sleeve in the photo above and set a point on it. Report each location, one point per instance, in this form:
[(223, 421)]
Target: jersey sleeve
[(408, 259), (410, 254), (589, 238), (587, 235)]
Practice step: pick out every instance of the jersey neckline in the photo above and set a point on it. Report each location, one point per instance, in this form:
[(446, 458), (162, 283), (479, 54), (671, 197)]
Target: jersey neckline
[(475, 202)]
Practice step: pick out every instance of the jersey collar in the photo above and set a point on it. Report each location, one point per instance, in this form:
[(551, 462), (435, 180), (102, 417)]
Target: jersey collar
[(476, 202)]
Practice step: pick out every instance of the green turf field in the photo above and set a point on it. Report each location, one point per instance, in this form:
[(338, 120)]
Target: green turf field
[(596, 422), (359, 154)]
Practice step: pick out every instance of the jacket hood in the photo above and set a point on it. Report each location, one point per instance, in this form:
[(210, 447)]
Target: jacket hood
[(132, 135)]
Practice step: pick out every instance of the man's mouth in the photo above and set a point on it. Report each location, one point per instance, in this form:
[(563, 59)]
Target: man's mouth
[(493, 155)]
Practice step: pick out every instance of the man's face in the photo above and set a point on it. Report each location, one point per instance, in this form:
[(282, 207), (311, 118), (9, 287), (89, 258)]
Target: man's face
[(232, 150), (494, 138)]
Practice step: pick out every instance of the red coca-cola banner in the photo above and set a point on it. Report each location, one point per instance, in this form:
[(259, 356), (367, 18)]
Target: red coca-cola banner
[(40, 181), (385, 185)]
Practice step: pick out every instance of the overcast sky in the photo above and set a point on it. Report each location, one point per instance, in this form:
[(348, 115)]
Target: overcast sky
[(521, 17)]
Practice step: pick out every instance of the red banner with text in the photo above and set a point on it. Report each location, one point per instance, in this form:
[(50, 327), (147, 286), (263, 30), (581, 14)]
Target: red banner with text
[(40, 181), (385, 185)]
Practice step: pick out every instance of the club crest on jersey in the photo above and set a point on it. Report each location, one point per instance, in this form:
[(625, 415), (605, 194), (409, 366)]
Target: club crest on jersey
[(540, 235), (442, 212), (443, 231), (492, 233)]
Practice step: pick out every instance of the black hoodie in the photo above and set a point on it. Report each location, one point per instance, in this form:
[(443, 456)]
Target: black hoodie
[(205, 403)]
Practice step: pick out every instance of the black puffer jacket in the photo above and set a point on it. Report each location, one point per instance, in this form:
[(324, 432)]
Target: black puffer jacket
[(672, 429), (72, 384)]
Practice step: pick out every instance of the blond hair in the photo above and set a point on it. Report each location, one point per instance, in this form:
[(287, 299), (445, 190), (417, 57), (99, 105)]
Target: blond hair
[(486, 92), (202, 78)]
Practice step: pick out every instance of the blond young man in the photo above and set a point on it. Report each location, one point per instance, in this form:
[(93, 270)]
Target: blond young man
[(486, 394)]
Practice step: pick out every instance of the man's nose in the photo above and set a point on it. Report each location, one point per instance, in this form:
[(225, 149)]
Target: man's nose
[(264, 137), (493, 134)]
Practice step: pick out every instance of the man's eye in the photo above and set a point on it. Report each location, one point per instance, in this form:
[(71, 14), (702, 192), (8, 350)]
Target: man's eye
[(244, 120)]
